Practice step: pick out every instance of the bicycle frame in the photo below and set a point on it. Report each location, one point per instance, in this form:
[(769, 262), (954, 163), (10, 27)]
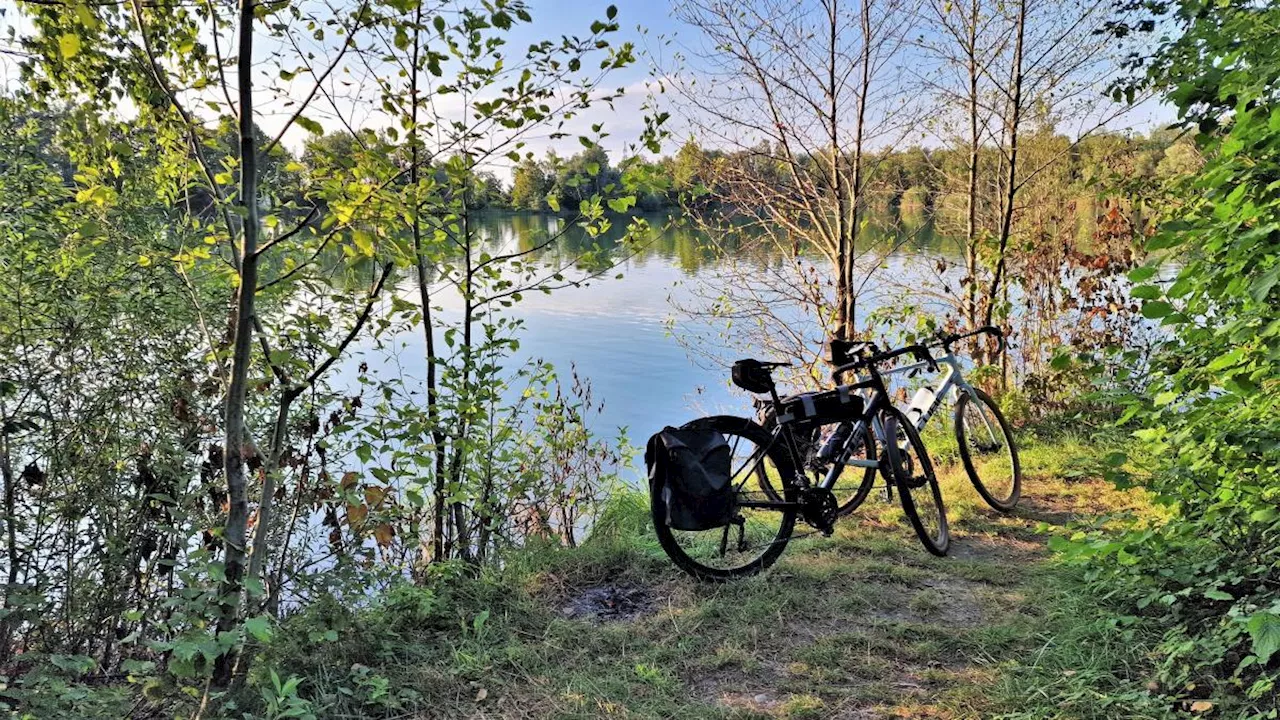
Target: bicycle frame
[(951, 385), (877, 401), (872, 385)]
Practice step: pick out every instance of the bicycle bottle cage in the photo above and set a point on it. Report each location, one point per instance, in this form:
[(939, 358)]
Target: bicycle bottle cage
[(752, 376)]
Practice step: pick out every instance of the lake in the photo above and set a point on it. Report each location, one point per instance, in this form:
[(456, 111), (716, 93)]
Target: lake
[(624, 335)]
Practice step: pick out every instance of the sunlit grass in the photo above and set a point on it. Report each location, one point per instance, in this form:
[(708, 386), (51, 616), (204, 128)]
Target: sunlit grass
[(864, 623)]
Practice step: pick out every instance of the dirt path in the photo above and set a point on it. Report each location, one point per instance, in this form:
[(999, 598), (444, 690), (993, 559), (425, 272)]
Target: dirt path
[(864, 624)]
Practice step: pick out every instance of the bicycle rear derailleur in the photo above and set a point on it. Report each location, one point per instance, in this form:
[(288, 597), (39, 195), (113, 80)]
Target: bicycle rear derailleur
[(820, 508)]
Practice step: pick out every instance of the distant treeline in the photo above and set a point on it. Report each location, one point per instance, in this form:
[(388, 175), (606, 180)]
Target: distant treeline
[(913, 178)]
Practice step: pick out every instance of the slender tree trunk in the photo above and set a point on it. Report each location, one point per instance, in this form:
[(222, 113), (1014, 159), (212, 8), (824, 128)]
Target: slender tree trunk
[(844, 248), (461, 533), (438, 436), (271, 471), (859, 130), (1012, 121), (237, 447), (975, 142), (11, 545)]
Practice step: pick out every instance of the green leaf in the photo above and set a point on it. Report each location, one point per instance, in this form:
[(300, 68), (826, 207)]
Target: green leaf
[(310, 125), (1143, 273), (1155, 309), (1261, 287), (622, 204), (1265, 515), (259, 627), (69, 45), (364, 242), (1264, 630)]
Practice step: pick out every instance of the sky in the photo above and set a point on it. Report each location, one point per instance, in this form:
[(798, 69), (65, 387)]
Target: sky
[(649, 24), (653, 27)]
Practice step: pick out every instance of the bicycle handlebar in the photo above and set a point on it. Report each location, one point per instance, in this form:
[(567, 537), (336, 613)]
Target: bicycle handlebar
[(920, 351), (947, 340)]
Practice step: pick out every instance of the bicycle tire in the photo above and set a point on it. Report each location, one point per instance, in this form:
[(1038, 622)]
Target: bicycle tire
[(672, 545), (1009, 501), (911, 480)]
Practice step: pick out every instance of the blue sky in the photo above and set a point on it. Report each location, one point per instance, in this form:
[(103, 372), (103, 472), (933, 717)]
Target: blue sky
[(552, 18)]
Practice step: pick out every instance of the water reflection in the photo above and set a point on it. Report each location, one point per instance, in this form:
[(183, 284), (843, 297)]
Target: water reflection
[(616, 331)]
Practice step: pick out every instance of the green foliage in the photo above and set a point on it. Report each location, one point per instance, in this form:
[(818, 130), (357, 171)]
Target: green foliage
[(121, 245), (1211, 415)]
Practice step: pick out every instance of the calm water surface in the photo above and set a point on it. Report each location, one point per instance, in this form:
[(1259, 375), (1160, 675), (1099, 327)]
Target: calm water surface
[(624, 335)]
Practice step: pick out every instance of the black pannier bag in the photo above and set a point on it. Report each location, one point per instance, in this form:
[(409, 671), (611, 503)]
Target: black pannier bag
[(696, 463)]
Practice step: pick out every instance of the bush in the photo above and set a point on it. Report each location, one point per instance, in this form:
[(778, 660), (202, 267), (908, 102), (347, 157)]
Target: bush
[(1210, 574)]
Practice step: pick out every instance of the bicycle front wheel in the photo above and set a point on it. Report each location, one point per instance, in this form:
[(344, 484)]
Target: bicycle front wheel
[(918, 489), (987, 450), (757, 535)]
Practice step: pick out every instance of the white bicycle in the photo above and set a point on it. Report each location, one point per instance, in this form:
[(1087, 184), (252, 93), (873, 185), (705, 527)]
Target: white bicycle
[(983, 436)]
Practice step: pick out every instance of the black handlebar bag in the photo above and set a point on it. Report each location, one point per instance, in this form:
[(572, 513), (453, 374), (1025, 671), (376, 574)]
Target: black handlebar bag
[(696, 464)]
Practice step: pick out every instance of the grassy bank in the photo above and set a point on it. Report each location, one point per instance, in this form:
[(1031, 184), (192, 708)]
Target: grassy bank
[(863, 624)]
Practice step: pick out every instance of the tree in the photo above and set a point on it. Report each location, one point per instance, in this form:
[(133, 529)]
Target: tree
[(529, 186), (688, 167), (795, 95), (542, 87), (171, 65), (1210, 413), (1001, 72)]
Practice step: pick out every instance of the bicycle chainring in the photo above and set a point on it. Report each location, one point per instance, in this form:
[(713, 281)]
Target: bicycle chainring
[(820, 508)]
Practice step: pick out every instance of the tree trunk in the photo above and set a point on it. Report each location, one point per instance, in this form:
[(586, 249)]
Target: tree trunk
[(971, 225), (461, 531), (11, 545), (438, 436), (844, 247), (271, 470), (1012, 120), (860, 127), (238, 449)]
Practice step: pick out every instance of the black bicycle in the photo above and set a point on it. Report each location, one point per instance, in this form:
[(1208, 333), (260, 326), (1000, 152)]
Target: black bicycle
[(769, 467)]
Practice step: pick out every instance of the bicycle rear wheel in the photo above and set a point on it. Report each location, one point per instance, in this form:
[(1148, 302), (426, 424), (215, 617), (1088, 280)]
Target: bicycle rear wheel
[(988, 451), (860, 448), (918, 489), (852, 486), (757, 536)]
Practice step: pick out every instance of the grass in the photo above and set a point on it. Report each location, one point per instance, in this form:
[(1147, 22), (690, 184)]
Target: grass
[(863, 624)]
